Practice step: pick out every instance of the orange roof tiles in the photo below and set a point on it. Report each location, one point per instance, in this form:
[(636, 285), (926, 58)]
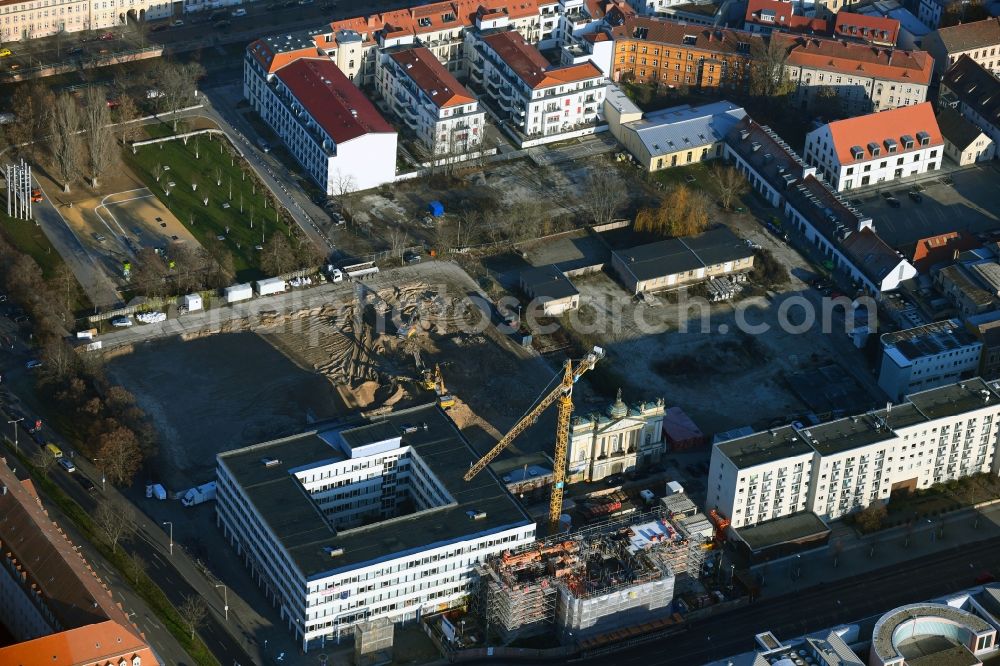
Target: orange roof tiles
[(441, 88), (531, 66), (936, 249), (858, 59), (272, 57), (870, 28), (876, 128), (103, 642)]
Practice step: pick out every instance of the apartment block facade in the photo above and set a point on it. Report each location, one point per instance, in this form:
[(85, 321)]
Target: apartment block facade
[(841, 466), (862, 77), (33, 19), (525, 90), (445, 117), (926, 357), (876, 148), (669, 53)]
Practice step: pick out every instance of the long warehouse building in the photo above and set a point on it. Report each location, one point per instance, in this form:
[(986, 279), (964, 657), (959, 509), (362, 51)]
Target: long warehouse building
[(361, 521), (840, 466)]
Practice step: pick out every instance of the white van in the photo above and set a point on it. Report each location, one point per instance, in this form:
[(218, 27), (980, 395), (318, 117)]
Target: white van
[(237, 13)]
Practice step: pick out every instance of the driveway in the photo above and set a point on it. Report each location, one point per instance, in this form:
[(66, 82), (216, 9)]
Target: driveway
[(95, 283)]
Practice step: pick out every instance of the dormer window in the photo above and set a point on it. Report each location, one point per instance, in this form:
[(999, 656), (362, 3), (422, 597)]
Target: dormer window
[(890, 146), (874, 149), (857, 152), (907, 141), (924, 138)]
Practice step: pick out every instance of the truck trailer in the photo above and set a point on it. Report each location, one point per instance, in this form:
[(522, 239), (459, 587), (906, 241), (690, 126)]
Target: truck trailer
[(238, 292), (271, 286), (203, 493)]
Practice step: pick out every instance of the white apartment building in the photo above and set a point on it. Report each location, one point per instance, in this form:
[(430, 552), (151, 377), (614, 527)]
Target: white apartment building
[(534, 97), (841, 466), (327, 123), (622, 439), (876, 148), (927, 356), (423, 94), (341, 526), (31, 19)]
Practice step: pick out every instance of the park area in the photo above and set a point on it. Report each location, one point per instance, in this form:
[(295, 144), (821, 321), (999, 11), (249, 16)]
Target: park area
[(208, 187)]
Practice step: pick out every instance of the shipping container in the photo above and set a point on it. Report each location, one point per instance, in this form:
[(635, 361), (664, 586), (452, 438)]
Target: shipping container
[(238, 292)]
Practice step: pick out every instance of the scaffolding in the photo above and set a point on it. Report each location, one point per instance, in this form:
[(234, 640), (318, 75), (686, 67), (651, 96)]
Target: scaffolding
[(615, 571)]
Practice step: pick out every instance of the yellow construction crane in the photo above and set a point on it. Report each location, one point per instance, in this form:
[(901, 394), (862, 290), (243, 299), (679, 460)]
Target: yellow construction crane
[(564, 394)]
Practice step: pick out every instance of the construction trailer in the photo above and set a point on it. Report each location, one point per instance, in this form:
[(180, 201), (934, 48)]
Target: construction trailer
[(617, 573), (373, 642)]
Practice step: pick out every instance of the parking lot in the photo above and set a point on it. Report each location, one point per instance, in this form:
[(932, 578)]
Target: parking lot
[(970, 203)]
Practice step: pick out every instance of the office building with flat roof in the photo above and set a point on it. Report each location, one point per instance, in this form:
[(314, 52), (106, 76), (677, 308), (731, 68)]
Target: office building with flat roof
[(927, 356), (359, 521)]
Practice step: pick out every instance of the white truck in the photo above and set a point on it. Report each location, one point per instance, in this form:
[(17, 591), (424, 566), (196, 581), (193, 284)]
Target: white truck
[(271, 286), (203, 493), (238, 292)]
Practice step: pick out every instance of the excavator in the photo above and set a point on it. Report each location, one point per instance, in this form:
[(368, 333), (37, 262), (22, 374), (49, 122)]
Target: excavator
[(445, 400), (563, 393)]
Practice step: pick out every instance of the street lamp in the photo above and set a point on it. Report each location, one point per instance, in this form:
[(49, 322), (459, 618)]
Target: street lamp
[(225, 599), (103, 477), (167, 522), (14, 423)]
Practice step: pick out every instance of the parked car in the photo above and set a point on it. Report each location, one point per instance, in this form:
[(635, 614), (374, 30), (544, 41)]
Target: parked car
[(6, 53), (222, 25), (107, 37), (893, 202), (36, 196), (336, 275), (237, 13), (916, 196), (67, 464), (337, 219), (178, 23), (615, 480), (100, 238), (264, 145), (87, 484), (33, 364), (411, 257), (121, 322), (887, 194)]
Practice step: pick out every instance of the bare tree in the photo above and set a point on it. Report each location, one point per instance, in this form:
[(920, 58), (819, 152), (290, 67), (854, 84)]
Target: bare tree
[(603, 196), (729, 183), (136, 566), (43, 462), (114, 522), (59, 360), (177, 84), (343, 185), (64, 142), (277, 257), (398, 238), (127, 112), (33, 104), (102, 150), (120, 455), (193, 613), (768, 76), (64, 288)]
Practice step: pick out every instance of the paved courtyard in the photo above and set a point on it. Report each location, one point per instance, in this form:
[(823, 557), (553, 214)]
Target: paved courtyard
[(971, 203)]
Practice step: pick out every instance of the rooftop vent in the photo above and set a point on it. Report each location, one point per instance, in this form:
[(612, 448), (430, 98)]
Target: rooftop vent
[(476, 515), (332, 551), (267, 461)]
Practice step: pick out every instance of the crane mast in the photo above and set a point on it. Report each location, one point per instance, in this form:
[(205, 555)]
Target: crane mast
[(563, 393)]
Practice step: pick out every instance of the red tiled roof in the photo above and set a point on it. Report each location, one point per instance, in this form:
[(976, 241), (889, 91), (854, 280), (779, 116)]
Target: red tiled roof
[(936, 249), (869, 28), (531, 66), (331, 99), (781, 9), (875, 128), (429, 74), (858, 59), (100, 643)]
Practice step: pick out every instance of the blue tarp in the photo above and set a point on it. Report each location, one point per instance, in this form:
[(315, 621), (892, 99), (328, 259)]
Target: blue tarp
[(436, 208)]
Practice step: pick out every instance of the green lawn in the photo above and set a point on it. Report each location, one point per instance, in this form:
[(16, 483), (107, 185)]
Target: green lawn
[(678, 176), (28, 238), (242, 231)]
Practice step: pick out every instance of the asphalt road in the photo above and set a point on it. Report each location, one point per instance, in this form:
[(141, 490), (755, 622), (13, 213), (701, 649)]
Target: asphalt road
[(92, 279)]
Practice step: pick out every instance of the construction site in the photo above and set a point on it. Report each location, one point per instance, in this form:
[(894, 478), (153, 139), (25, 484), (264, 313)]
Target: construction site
[(620, 572)]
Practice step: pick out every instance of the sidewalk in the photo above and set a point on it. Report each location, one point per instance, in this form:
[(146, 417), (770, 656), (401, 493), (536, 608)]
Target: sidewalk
[(849, 554)]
